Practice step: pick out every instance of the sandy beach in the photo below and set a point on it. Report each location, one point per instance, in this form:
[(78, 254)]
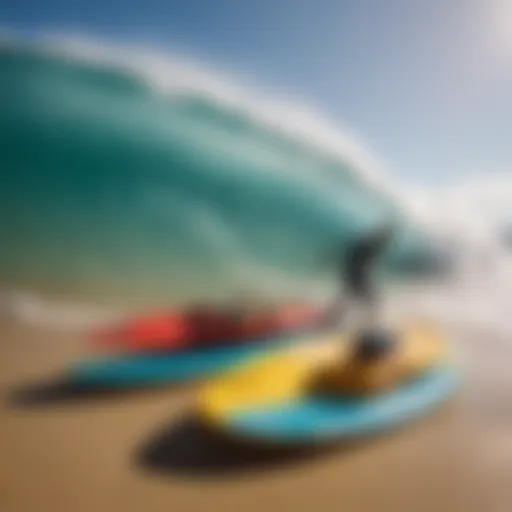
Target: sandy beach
[(135, 451)]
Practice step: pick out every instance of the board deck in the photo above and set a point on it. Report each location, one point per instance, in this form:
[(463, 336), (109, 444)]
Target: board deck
[(270, 400)]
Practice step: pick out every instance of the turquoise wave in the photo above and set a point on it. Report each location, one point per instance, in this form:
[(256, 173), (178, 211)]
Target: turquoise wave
[(112, 188)]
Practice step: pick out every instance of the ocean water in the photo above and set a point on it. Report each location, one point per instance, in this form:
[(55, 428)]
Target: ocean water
[(139, 181)]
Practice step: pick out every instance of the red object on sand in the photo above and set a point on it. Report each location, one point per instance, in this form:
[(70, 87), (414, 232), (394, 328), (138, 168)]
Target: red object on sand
[(175, 330)]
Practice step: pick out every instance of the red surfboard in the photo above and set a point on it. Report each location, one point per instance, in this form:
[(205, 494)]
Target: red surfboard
[(194, 328)]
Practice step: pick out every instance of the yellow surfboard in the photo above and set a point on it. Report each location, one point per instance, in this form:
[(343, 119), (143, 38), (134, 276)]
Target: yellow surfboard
[(277, 398)]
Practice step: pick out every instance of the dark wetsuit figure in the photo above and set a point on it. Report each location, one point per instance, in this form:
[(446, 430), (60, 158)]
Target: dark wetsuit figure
[(359, 262)]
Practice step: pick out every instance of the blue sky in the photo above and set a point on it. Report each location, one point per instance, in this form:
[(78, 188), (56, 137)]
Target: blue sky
[(425, 83)]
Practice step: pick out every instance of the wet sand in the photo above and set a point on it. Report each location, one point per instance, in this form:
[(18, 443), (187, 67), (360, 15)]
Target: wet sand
[(67, 451)]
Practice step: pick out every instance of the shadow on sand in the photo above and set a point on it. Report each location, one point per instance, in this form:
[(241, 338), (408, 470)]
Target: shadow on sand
[(61, 391), (190, 449)]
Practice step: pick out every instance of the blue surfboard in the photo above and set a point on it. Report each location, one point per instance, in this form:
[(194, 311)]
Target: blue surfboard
[(315, 418), (161, 368)]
